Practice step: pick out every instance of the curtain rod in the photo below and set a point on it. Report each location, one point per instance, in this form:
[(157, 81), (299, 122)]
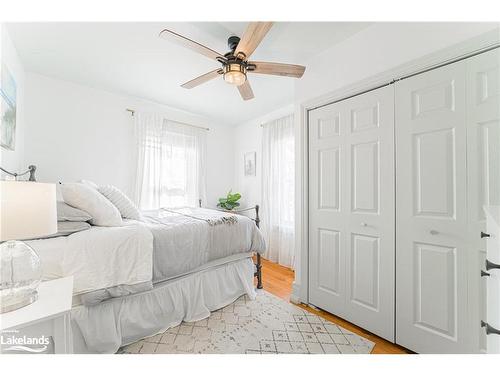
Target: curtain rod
[(132, 112)]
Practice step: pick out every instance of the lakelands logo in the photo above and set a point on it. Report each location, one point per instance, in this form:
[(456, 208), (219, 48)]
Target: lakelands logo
[(11, 342)]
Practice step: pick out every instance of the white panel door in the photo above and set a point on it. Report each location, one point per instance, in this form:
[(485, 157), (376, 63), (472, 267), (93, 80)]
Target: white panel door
[(483, 170), (327, 211), (432, 242), (351, 210)]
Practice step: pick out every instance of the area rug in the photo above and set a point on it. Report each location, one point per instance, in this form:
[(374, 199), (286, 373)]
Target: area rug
[(266, 325)]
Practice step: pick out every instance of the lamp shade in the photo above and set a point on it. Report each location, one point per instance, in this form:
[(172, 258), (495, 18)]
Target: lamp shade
[(27, 210)]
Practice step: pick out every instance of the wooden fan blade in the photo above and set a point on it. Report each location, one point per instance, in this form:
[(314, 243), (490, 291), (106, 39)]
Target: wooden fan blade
[(202, 79), (278, 69), (255, 32), (191, 44), (246, 91)]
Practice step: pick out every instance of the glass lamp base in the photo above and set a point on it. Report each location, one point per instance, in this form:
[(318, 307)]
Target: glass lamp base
[(16, 301), (20, 275)]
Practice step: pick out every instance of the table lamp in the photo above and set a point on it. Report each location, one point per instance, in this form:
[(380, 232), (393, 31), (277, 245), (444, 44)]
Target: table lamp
[(27, 210)]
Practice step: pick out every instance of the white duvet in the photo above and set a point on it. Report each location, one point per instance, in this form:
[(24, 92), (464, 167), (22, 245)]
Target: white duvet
[(98, 258)]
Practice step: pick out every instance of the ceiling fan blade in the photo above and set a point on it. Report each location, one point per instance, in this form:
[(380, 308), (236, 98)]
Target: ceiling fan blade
[(255, 32), (202, 79), (191, 44), (246, 91), (278, 69)]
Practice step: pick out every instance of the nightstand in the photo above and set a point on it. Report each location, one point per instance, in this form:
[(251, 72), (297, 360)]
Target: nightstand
[(49, 316)]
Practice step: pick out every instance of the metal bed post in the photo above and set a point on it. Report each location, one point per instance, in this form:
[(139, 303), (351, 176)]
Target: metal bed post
[(31, 170), (258, 273), (258, 265)]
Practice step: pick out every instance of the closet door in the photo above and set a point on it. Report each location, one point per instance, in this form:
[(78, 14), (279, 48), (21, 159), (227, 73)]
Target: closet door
[(327, 211), (483, 170), (351, 203), (432, 238)]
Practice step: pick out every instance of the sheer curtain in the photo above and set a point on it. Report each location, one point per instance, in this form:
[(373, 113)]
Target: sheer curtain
[(278, 190), (170, 157)]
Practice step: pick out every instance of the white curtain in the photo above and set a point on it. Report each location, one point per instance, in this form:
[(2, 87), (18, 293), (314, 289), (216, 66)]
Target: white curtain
[(170, 157), (278, 185)]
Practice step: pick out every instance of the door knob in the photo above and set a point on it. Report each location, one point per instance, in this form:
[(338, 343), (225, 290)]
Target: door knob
[(433, 232), (489, 329), (364, 224), (483, 273), (491, 265), (485, 235)]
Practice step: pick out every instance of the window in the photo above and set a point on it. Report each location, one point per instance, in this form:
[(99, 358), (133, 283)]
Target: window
[(170, 171), (287, 176), (278, 190)]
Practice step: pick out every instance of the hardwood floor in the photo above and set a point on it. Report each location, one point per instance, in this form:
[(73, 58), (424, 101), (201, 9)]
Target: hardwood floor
[(278, 281)]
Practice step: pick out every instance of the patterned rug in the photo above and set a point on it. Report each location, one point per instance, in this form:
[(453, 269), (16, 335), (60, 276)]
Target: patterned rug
[(266, 325)]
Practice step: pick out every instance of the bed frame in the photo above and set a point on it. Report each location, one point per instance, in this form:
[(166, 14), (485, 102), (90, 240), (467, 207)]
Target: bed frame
[(258, 264), (31, 170)]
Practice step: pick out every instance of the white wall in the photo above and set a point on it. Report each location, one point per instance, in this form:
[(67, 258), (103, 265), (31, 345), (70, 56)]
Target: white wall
[(14, 160), (374, 50), (77, 132), (379, 48), (248, 138)]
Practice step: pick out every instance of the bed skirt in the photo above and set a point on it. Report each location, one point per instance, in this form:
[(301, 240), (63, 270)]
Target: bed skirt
[(105, 327)]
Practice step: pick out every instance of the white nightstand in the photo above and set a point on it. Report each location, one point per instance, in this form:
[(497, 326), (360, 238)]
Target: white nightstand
[(49, 316)]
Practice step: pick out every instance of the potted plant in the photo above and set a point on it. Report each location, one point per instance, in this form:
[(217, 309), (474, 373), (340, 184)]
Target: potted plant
[(230, 201)]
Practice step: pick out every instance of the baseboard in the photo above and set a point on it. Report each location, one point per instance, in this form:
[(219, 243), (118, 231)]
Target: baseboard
[(295, 296)]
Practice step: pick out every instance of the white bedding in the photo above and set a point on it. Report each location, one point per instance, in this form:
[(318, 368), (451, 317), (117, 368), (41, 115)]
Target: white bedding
[(98, 258), (162, 246)]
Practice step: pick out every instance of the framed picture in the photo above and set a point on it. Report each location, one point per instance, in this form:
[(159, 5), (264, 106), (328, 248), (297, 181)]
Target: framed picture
[(8, 100), (250, 164)]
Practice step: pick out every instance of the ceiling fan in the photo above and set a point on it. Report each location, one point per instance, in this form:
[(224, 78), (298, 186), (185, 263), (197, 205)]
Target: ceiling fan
[(235, 63)]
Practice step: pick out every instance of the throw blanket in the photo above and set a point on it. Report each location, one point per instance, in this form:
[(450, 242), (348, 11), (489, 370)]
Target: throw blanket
[(207, 216), (187, 239)]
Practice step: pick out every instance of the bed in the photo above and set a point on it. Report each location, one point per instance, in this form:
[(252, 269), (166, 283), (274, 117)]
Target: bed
[(140, 279)]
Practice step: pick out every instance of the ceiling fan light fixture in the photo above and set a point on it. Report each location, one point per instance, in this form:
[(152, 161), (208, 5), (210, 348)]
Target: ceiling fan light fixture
[(235, 64), (235, 74)]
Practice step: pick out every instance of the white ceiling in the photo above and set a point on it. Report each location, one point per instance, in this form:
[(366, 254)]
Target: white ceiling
[(130, 58)]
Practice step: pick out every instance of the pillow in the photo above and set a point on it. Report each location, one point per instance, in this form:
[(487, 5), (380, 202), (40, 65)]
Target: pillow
[(126, 207), (68, 213), (85, 198), (65, 228)]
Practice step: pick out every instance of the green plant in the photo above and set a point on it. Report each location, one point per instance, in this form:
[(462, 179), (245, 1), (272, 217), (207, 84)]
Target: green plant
[(230, 201)]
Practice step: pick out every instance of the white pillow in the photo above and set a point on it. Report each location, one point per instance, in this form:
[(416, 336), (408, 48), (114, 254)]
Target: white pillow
[(126, 207), (81, 196)]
